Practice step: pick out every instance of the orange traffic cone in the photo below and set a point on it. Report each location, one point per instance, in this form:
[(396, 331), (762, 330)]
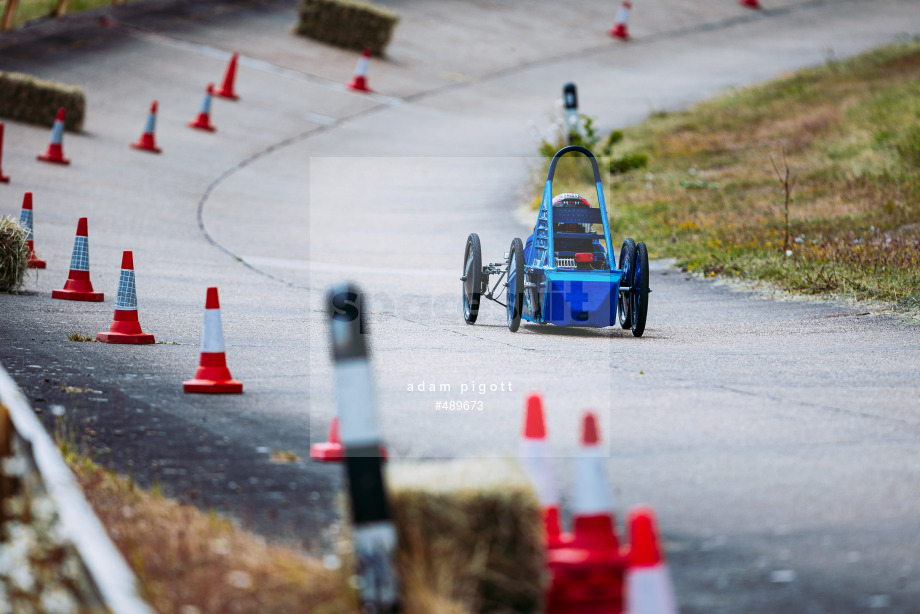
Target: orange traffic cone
[(359, 83), (148, 141), (25, 219), (332, 449), (125, 327), (203, 120), (621, 27), (55, 151), (751, 4), (588, 569), (533, 453), (212, 375), (592, 502), (226, 90), (78, 286), (648, 584), (3, 178)]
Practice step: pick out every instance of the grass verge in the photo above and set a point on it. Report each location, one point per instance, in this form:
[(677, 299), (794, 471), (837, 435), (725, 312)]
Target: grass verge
[(844, 138), (190, 561)]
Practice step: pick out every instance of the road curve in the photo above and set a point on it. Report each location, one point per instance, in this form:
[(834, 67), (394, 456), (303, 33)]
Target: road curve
[(770, 436)]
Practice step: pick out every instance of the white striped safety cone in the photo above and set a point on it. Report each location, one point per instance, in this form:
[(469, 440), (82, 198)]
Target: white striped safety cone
[(203, 120), (359, 83), (648, 584), (126, 328), (593, 525), (533, 453), (212, 375), (148, 140), (620, 29), (55, 151), (25, 220), (78, 286)]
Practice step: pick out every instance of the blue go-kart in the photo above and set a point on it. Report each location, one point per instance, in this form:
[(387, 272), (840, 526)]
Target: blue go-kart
[(564, 274)]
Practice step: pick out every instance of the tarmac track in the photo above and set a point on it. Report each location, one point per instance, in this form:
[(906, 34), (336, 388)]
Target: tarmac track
[(771, 437)]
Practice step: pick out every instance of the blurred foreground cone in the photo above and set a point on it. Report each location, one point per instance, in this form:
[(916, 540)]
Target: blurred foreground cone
[(621, 27), (212, 375), (125, 327), (148, 141), (203, 120), (592, 501), (751, 4), (648, 583), (359, 83), (25, 220), (55, 151), (226, 89), (533, 453), (332, 449), (78, 286), (587, 570), (3, 178)]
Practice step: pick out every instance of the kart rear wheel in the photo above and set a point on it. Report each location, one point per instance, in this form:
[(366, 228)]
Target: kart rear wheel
[(626, 264), (515, 294), (639, 291), (472, 278)]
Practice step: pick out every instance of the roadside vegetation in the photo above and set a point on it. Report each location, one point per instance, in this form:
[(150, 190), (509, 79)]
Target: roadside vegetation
[(32, 9), (188, 561), (810, 182)]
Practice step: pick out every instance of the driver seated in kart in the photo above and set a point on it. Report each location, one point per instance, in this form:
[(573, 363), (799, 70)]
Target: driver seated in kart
[(569, 246)]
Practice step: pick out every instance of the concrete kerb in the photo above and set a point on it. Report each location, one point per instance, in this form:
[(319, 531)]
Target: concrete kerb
[(113, 579)]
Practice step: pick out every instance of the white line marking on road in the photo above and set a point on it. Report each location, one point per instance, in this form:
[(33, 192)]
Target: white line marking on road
[(313, 266)]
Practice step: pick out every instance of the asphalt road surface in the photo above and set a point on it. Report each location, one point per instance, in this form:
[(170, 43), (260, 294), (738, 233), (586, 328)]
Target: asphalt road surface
[(777, 440)]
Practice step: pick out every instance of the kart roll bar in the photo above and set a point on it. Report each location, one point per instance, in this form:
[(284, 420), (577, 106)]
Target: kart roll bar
[(546, 206)]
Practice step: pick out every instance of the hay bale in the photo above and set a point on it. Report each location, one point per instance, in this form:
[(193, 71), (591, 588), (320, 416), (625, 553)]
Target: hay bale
[(470, 536), (351, 24), (35, 101), (14, 254)]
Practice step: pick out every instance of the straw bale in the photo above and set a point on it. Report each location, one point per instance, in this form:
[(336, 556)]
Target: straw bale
[(32, 100), (14, 254), (351, 24)]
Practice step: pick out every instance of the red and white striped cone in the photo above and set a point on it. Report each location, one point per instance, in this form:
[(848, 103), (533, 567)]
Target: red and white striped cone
[(148, 141), (359, 83), (751, 4), (588, 569), (226, 89), (330, 450), (212, 375), (25, 220), (203, 120), (533, 453), (620, 28), (78, 286), (648, 583), (592, 501), (3, 178), (55, 151), (126, 328)]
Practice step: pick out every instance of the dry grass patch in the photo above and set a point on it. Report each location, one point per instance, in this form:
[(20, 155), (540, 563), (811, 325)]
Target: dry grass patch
[(184, 558), (14, 254), (850, 134)]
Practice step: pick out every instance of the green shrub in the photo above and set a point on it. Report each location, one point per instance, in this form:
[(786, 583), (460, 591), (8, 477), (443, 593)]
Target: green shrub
[(346, 23), (35, 101)]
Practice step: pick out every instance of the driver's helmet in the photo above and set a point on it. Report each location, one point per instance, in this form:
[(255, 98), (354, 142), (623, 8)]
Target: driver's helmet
[(570, 199)]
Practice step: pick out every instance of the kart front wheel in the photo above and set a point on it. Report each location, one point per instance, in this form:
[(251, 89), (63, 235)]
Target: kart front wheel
[(639, 291), (626, 264), (515, 294), (472, 278)]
